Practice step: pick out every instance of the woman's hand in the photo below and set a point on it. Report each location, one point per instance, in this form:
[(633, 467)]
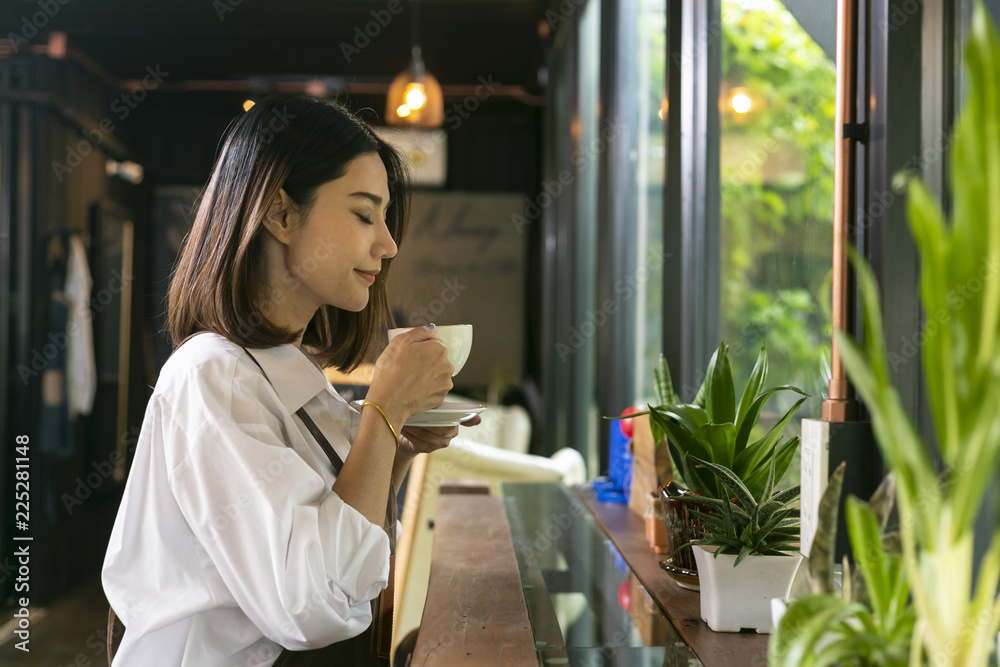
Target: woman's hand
[(423, 440), (412, 375)]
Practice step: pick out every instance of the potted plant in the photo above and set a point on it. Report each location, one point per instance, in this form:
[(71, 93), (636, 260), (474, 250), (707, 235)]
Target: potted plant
[(869, 621), (748, 553), (956, 604), (715, 429)]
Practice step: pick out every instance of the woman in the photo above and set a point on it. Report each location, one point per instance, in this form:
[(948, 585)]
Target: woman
[(237, 537)]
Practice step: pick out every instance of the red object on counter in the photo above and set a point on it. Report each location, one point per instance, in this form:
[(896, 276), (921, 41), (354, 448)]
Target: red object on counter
[(626, 424)]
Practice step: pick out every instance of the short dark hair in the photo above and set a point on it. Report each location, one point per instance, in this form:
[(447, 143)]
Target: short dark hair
[(220, 283)]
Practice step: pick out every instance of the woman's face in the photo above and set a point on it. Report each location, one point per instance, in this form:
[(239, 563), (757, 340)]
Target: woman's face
[(338, 246)]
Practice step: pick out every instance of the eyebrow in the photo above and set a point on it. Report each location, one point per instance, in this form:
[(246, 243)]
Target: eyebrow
[(367, 195)]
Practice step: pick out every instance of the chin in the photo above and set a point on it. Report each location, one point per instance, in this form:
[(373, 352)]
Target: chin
[(356, 306)]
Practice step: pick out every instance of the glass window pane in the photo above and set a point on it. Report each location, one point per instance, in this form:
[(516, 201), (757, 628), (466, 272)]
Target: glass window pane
[(651, 38), (776, 106)]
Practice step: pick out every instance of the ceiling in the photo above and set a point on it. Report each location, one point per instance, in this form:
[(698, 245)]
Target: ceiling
[(462, 40)]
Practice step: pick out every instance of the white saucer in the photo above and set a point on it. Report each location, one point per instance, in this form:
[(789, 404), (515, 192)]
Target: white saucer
[(446, 414)]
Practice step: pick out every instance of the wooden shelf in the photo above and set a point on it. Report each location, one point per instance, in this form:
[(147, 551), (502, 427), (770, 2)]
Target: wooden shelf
[(681, 606)]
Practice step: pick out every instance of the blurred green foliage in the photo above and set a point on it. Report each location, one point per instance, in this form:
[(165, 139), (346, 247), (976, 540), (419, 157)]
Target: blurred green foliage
[(776, 192)]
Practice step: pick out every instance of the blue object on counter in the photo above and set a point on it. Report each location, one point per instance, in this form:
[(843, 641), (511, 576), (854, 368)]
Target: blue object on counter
[(615, 487), (607, 492)]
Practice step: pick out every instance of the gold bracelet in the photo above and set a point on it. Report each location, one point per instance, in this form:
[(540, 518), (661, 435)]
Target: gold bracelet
[(387, 422)]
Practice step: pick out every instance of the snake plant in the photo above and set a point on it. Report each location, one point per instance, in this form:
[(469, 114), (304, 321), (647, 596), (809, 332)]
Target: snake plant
[(957, 607), (869, 622)]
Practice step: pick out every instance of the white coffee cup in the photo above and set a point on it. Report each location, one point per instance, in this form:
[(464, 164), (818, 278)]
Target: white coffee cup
[(456, 337)]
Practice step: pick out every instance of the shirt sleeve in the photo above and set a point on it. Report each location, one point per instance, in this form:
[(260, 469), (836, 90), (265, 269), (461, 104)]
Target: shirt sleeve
[(301, 563)]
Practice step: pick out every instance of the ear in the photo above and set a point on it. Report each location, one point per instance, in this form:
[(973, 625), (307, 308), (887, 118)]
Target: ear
[(281, 217)]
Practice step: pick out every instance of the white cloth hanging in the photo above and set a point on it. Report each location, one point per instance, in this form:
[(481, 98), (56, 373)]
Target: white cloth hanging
[(81, 367)]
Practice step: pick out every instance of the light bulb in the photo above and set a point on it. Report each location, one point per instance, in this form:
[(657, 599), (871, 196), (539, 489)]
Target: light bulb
[(403, 111), (741, 103), (414, 95), (247, 105)]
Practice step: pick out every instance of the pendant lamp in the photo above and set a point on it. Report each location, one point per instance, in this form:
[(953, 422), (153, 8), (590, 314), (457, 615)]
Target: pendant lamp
[(415, 98)]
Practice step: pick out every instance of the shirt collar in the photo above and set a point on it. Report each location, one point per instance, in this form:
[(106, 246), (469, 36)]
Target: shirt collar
[(296, 378)]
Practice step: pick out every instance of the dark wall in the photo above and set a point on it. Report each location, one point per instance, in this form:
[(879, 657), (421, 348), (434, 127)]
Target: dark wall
[(492, 148), (53, 115)]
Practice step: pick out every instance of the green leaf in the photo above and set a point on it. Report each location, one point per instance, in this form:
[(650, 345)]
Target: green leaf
[(806, 622), (718, 439), (929, 230), (866, 543), (821, 553), (757, 377), (721, 401), (731, 482), (690, 417), (756, 454), (782, 456), (683, 444), (744, 552), (700, 398), (769, 486), (883, 500), (663, 384), (749, 421)]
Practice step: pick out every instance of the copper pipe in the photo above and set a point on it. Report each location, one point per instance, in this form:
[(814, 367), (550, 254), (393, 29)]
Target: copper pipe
[(840, 406)]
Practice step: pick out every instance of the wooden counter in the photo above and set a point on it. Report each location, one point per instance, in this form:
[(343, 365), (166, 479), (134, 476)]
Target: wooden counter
[(475, 612)]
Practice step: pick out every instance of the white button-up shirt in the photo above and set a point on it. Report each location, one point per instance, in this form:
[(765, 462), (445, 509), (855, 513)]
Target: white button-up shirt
[(229, 542)]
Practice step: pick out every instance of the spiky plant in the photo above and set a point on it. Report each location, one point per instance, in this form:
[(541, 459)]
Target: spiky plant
[(715, 429), (747, 527)]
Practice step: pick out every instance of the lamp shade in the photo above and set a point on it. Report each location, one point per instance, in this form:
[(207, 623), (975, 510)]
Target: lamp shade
[(415, 98)]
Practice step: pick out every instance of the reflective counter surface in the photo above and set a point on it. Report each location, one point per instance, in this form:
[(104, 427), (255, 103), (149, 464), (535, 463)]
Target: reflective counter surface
[(585, 605)]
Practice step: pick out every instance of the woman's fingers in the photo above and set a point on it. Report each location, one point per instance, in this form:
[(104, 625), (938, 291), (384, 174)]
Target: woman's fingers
[(429, 439)]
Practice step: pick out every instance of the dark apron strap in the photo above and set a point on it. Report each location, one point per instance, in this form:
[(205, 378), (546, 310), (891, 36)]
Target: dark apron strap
[(382, 605)]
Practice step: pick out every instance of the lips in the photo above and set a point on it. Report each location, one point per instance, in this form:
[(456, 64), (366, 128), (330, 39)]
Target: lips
[(367, 275)]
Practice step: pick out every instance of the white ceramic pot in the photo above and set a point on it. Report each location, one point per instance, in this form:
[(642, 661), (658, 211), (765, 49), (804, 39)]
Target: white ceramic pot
[(733, 598)]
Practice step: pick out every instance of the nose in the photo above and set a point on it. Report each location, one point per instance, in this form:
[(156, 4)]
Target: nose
[(385, 247)]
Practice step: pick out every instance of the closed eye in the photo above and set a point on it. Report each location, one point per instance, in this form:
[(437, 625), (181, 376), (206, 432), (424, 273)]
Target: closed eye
[(364, 219)]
